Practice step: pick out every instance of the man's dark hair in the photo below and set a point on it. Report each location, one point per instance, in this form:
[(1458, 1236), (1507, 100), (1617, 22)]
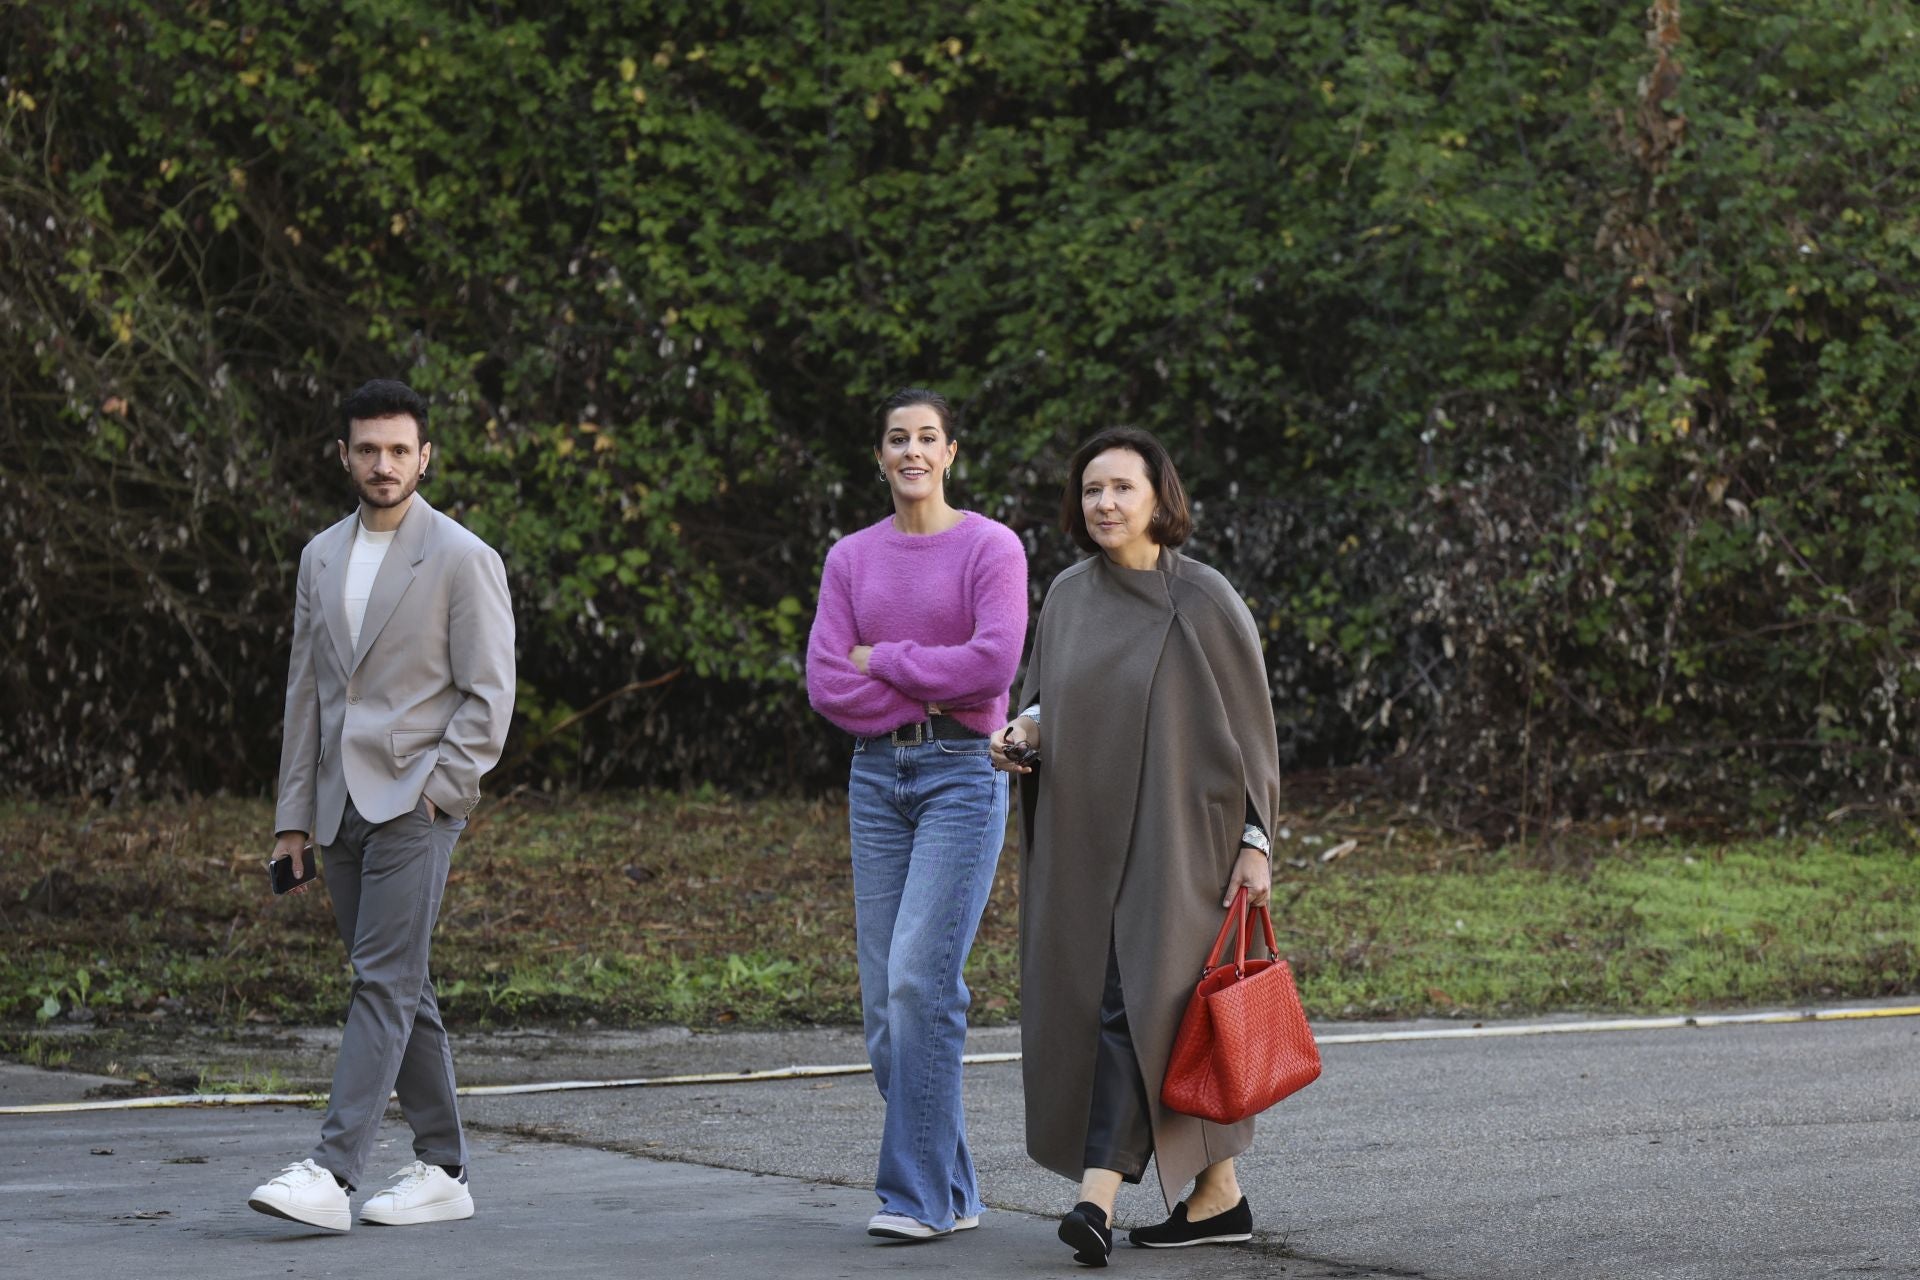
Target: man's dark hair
[(1173, 520), (907, 397), (383, 398)]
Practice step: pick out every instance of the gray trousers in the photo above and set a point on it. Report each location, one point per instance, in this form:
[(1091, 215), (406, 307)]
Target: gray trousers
[(386, 882), (1119, 1121)]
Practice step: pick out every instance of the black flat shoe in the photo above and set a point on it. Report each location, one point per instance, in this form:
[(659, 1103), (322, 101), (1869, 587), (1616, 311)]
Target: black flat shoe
[(1230, 1227), (1085, 1228)]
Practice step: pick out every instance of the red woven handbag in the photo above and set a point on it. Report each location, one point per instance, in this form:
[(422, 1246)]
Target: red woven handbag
[(1244, 1043)]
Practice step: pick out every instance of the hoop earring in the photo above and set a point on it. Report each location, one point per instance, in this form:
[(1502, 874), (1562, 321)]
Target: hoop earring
[(882, 472)]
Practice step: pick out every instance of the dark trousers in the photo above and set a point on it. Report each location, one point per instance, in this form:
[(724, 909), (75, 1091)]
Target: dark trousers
[(386, 882), (1119, 1123)]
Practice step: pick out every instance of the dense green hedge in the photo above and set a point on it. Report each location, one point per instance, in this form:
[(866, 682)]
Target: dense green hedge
[(1544, 371)]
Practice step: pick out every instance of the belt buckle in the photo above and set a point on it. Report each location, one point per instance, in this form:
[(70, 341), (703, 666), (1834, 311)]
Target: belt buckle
[(920, 734)]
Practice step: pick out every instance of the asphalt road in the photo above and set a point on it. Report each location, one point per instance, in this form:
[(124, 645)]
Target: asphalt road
[(1729, 1153)]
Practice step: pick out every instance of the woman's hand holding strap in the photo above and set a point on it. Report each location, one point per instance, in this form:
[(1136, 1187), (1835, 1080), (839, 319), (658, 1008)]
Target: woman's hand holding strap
[(1252, 870)]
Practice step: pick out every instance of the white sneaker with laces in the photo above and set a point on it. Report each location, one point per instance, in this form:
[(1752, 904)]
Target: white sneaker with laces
[(898, 1226), (424, 1193), (306, 1193)]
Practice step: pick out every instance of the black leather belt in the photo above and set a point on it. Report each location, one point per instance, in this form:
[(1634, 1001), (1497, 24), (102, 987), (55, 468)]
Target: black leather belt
[(941, 728)]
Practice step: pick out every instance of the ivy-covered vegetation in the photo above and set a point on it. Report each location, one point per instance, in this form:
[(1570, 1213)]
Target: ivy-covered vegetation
[(1545, 372)]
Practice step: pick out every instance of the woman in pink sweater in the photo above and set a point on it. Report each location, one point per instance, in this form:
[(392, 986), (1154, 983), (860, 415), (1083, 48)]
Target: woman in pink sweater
[(919, 630)]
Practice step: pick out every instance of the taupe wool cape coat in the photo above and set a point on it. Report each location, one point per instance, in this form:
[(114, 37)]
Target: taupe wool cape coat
[(1156, 728)]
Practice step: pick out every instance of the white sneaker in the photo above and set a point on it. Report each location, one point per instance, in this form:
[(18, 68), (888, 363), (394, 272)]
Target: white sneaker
[(306, 1193), (967, 1223), (898, 1226), (424, 1194)]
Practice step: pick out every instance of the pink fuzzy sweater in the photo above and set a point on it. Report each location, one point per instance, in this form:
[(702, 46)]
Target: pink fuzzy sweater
[(946, 614)]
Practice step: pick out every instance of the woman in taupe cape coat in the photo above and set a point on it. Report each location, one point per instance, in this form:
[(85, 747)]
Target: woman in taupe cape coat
[(1147, 695)]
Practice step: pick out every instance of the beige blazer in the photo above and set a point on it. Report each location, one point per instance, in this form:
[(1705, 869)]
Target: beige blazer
[(422, 704)]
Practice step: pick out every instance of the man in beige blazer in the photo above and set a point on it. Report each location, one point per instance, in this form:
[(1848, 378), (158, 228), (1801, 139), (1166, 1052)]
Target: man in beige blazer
[(399, 691)]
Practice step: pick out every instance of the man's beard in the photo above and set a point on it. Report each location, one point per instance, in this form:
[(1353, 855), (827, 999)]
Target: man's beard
[(391, 495)]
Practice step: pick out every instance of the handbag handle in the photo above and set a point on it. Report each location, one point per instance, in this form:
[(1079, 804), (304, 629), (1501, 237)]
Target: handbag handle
[(1236, 923)]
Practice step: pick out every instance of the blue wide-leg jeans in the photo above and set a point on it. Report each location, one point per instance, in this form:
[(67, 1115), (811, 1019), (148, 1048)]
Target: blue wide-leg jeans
[(927, 824)]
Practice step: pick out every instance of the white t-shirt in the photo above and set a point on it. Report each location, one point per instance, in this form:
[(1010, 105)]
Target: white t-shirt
[(363, 566)]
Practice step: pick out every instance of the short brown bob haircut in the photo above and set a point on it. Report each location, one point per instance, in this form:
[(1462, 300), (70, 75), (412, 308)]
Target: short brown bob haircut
[(1173, 518)]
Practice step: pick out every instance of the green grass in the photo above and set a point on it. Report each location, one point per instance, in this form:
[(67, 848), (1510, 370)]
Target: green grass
[(246, 1079), (1652, 928), (36, 1052), (709, 910)]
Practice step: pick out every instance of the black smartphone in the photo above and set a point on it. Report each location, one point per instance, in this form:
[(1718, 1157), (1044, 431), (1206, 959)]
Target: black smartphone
[(280, 871)]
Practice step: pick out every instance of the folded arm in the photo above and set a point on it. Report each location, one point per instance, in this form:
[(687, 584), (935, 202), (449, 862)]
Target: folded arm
[(857, 701), (979, 670)]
